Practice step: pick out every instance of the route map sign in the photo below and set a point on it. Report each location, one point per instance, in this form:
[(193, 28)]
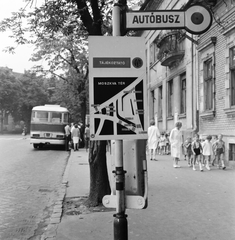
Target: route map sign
[(117, 88)]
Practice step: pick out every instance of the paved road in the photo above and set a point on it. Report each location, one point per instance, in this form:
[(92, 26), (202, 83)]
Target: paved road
[(29, 184), (186, 204), (182, 205)]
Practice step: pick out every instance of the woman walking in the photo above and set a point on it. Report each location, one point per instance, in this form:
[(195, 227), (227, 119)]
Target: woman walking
[(176, 144), (153, 136)]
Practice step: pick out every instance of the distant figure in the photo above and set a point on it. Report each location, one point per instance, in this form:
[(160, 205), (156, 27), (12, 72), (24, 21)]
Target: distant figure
[(197, 151), (188, 151), (219, 147), (162, 144), (214, 150), (24, 133), (87, 137), (67, 136), (167, 144), (153, 136), (207, 151), (76, 136), (176, 144)]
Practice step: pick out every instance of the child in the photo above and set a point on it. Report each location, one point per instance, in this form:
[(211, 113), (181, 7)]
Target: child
[(214, 150), (167, 144), (188, 151), (207, 151), (219, 145), (162, 144), (202, 140), (197, 149)]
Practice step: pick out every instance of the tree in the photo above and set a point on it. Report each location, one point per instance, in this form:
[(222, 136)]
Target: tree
[(9, 93), (34, 92)]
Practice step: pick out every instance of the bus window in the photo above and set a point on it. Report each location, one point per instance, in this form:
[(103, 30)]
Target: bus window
[(66, 117), (33, 116), (56, 117), (41, 117)]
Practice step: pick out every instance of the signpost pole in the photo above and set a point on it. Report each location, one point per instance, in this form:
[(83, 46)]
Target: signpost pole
[(120, 221)]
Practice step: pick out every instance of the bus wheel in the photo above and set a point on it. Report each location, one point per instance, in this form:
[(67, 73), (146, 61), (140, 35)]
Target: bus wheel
[(35, 145)]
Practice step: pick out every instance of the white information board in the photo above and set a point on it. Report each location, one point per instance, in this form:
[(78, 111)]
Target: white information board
[(117, 88)]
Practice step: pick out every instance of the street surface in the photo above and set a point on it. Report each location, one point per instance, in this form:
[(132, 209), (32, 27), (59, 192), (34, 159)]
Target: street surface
[(29, 184), (182, 204)]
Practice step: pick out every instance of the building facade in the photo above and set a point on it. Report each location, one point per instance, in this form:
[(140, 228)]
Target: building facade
[(191, 78), (171, 72), (216, 77)]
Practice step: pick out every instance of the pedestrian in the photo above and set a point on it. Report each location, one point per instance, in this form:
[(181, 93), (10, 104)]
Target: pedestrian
[(167, 144), (87, 137), (188, 151), (153, 137), (72, 126), (197, 150), (202, 140), (24, 133), (67, 136), (162, 144), (214, 150), (207, 151), (176, 144), (219, 146), (76, 137)]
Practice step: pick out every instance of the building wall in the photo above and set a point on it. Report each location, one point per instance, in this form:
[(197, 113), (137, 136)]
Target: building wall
[(221, 119), (159, 76)]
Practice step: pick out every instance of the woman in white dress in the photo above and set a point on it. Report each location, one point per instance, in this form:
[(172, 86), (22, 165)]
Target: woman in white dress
[(153, 136), (176, 143), (76, 136)]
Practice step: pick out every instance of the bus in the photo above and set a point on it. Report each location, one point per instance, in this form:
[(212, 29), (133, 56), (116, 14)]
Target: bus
[(47, 125)]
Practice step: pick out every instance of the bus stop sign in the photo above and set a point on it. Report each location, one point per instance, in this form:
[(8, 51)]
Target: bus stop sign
[(196, 19), (117, 87)]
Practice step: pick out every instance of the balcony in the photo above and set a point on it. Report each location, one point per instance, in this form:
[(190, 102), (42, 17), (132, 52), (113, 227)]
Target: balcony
[(170, 53)]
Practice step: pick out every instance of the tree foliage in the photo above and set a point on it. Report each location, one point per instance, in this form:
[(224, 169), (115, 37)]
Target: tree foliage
[(9, 91)]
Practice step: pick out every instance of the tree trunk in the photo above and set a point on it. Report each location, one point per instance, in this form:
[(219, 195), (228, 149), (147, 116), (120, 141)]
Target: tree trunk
[(99, 182)]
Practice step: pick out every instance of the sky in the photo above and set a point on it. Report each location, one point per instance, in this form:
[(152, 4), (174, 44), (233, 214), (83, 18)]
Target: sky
[(18, 62)]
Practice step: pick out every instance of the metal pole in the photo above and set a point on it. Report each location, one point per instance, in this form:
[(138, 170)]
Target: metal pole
[(120, 221)]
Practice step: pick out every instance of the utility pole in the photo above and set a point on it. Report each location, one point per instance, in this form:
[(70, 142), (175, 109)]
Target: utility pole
[(120, 218)]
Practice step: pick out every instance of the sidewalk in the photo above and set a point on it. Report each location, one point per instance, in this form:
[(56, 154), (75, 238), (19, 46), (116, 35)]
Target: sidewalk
[(182, 204)]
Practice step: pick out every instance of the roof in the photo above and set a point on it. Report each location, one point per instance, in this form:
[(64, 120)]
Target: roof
[(51, 108)]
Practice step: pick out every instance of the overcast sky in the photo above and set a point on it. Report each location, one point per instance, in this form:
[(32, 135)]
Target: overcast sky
[(20, 60)]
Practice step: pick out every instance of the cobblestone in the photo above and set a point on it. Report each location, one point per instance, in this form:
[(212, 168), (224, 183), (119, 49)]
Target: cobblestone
[(30, 184)]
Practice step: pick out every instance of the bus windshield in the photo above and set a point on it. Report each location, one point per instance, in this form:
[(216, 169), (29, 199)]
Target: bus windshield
[(49, 117)]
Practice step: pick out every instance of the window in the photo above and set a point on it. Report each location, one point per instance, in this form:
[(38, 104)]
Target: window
[(66, 117), (170, 98), (183, 93), (153, 101), (56, 117), (232, 74), (208, 84), (160, 102), (153, 53), (231, 152), (40, 116)]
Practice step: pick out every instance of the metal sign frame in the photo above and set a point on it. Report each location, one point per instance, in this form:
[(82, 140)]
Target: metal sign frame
[(196, 19)]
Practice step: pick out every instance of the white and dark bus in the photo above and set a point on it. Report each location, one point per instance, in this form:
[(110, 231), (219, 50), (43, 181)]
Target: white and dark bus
[(47, 125)]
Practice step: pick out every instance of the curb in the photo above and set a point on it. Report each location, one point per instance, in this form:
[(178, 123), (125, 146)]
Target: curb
[(56, 216)]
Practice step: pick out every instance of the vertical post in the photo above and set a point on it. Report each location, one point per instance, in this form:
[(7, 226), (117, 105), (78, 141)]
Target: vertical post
[(120, 220)]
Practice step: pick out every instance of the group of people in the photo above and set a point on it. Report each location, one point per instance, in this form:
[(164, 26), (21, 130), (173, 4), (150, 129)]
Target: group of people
[(204, 152), (73, 136), (197, 152)]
